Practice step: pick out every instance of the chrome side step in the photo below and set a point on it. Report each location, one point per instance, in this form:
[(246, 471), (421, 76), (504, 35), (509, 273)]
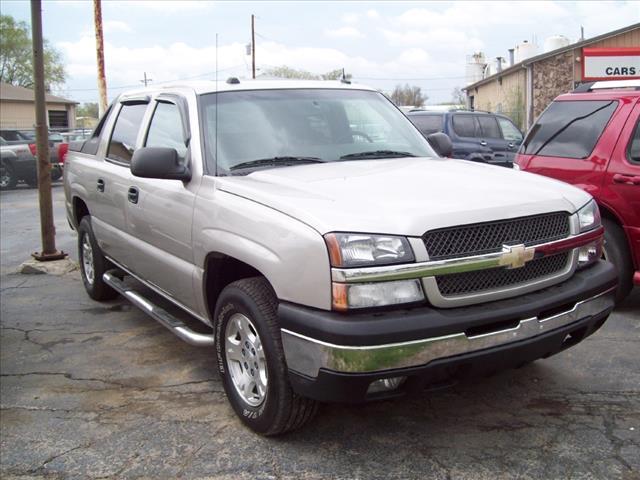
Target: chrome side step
[(159, 314)]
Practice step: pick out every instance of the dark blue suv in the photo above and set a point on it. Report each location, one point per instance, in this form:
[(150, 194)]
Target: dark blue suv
[(477, 136)]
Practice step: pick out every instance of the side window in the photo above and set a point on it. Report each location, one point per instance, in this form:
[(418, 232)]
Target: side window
[(91, 145), (509, 130), (465, 125), (633, 150), (427, 124), (125, 132), (569, 129), (489, 126), (166, 129)]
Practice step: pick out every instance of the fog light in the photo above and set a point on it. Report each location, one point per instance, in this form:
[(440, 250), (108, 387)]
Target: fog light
[(386, 384), (589, 253)]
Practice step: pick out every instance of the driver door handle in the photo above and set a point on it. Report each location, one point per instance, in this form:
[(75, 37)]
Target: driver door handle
[(132, 195), (483, 143), (626, 179)]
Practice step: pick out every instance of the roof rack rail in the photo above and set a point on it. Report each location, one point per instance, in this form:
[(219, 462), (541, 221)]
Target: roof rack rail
[(607, 84)]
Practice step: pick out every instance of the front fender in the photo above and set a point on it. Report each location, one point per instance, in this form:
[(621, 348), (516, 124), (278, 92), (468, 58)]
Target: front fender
[(290, 254)]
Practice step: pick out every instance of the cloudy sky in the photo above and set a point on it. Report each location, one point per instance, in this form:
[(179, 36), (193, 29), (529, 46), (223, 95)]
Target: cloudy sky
[(380, 43)]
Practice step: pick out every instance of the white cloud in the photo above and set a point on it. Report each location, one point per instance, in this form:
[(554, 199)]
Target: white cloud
[(116, 26), (350, 18), (373, 14), (437, 39), (350, 32)]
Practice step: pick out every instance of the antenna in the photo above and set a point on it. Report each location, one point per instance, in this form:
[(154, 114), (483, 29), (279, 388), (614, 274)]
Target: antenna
[(217, 93)]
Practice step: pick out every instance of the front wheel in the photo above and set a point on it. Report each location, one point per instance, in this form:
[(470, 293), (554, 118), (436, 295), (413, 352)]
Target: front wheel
[(616, 251), (93, 263), (251, 359), (8, 178)]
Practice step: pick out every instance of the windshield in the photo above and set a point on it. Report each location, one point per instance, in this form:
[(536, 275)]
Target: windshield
[(325, 125)]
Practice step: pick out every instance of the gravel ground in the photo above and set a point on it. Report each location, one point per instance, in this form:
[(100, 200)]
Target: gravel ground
[(99, 390)]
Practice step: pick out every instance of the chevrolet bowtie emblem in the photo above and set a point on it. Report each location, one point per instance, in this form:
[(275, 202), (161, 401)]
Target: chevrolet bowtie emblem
[(515, 256)]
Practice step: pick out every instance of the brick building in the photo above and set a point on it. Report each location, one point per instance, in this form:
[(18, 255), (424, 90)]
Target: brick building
[(523, 89)]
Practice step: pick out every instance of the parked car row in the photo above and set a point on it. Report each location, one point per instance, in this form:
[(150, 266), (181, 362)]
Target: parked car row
[(24, 168)]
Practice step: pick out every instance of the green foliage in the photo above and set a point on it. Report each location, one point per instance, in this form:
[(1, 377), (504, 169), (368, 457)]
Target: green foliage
[(87, 110), (292, 73), (409, 95), (16, 56)]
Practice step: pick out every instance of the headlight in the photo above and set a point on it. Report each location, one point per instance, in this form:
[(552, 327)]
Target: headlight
[(356, 250), (589, 216), (366, 295)]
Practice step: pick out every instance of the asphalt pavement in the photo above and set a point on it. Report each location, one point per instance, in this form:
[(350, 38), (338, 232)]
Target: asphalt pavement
[(99, 390)]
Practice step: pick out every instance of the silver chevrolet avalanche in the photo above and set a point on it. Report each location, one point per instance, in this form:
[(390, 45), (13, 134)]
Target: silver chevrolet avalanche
[(332, 253)]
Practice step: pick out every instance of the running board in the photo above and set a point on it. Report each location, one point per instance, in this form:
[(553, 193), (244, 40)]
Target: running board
[(177, 327)]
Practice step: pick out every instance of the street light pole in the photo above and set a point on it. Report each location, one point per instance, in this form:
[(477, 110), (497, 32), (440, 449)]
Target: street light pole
[(253, 47), (47, 228)]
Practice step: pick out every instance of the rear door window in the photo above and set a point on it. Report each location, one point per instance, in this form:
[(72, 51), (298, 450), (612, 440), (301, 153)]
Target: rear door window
[(465, 125), (489, 126), (633, 151), (569, 129), (427, 124), (125, 132)]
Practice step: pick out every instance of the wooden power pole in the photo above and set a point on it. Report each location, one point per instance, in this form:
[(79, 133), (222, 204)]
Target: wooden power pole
[(47, 228), (102, 82), (253, 47)]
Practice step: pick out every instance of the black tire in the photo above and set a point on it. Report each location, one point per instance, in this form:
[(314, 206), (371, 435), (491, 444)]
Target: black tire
[(8, 178), (616, 250), (56, 172), (281, 409), (96, 288)]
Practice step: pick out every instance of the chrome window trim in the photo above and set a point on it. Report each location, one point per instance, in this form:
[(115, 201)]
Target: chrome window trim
[(307, 356)]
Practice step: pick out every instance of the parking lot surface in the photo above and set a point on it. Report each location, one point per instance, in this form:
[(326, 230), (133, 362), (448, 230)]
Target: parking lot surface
[(99, 390)]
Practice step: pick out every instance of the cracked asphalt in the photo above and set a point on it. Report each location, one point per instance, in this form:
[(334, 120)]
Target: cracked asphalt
[(99, 390)]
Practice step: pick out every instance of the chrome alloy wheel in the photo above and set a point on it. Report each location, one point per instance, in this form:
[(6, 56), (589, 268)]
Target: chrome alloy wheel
[(5, 178), (87, 259), (246, 359)]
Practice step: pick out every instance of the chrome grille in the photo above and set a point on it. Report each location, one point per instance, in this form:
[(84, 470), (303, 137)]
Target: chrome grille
[(496, 278), (481, 238)]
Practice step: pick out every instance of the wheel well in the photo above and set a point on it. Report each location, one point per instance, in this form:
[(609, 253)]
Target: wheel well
[(220, 271), (80, 209)]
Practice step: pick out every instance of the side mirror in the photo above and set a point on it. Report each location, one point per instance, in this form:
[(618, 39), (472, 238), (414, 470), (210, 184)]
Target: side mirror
[(441, 143), (159, 162)]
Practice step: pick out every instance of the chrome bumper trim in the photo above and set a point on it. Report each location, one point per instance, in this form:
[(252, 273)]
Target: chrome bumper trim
[(512, 257), (307, 355)]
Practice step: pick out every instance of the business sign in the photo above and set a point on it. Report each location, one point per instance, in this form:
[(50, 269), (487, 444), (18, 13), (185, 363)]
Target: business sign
[(610, 63)]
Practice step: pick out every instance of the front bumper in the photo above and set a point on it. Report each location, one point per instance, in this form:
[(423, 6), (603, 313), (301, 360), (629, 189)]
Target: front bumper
[(335, 357)]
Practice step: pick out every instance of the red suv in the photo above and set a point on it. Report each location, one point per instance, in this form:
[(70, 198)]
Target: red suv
[(591, 139)]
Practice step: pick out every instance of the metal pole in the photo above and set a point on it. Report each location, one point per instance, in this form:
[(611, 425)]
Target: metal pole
[(253, 47), (102, 82), (47, 228)]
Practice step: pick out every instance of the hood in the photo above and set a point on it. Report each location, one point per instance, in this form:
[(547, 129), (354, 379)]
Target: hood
[(403, 196)]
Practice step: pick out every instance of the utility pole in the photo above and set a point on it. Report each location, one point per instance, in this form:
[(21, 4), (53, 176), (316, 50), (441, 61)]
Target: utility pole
[(47, 228), (253, 47), (146, 80), (102, 82)]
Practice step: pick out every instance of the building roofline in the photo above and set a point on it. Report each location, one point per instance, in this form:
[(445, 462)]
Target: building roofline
[(14, 93), (557, 51)]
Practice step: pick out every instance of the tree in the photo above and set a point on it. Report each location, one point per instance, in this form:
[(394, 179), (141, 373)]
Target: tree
[(458, 97), (409, 95), (291, 73), (89, 109), (16, 56)]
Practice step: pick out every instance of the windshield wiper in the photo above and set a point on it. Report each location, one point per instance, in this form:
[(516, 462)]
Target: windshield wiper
[(377, 154), (275, 161)]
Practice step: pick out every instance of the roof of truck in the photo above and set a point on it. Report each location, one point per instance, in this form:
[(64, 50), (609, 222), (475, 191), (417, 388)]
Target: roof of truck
[(200, 87)]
